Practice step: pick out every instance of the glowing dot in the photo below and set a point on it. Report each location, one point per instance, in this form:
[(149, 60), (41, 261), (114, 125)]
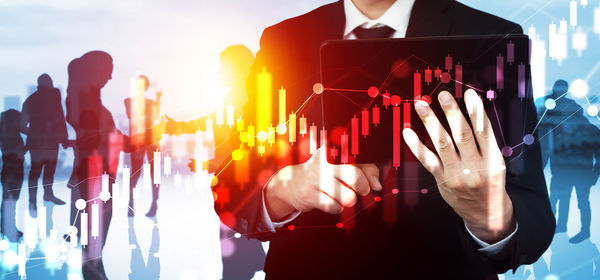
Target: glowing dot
[(445, 77), (244, 136), (10, 258), (237, 235), (528, 139), (72, 230), (550, 104), (395, 191), (507, 151), (291, 227), (373, 92), (80, 204), (424, 191), (395, 100), (237, 154), (214, 181), (281, 129), (156, 255), (262, 136), (104, 196), (466, 171), (339, 225), (579, 88), (551, 277), (592, 110), (426, 98), (377, 198), (132, 246), (4, 245), (318, 88)]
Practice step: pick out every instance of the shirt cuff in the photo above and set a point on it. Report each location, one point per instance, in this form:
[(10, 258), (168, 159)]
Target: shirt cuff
[(492, 249), (265, 222)]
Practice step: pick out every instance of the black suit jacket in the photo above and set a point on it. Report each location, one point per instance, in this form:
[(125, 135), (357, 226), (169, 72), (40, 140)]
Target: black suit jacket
[(423, 239)]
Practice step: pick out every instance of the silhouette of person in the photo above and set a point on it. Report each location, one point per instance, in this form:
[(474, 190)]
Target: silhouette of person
[(140, 270), (572, 148), (97, 146), (143, 113), (44, 123), (13, 152), (236, 61), (247, 255)]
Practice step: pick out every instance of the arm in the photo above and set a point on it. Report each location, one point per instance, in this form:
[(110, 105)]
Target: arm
[(25, 118), (288, 177)]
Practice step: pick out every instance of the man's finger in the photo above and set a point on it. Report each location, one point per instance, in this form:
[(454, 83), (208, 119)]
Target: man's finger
[(352, 177), (328, 204), (429, 160), (461, 130), (440, 138), (371, 172), (481, 125)]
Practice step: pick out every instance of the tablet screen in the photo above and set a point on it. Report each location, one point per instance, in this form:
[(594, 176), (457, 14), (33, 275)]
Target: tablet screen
[(371, 87)]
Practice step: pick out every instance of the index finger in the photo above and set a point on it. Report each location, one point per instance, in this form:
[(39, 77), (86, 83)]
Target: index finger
[(352, 177), (371, 172)]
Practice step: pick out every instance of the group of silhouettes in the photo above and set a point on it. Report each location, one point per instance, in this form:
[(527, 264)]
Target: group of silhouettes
[(97, 143), (96, 148)]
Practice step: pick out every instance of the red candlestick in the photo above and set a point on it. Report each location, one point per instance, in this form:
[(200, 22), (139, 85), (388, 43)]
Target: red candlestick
[(365, 123), (344, 144), (406, 109), (458, 83), (375, 115), (417, 83), (396, 137), (354, 132)]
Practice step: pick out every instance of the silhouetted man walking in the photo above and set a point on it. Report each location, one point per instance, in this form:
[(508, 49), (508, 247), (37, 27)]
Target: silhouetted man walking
[(45, 126)]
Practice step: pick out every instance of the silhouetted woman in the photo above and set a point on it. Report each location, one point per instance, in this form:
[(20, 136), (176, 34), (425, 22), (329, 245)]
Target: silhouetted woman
[(97, 146), (13, 153)]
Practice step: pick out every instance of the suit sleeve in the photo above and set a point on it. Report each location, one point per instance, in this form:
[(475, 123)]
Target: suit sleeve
[(526, 187)]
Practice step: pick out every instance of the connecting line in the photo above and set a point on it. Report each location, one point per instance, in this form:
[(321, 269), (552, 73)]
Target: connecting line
[(400, 65), (555, 127), (515, 146), (562, 95), (499, 124), (92, 199), (223, 169), (539, 121), (436, 87), (348, 90), (468, 85)]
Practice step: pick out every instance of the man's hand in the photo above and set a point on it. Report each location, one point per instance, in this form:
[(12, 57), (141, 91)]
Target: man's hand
[(317, 184), (471, 181)]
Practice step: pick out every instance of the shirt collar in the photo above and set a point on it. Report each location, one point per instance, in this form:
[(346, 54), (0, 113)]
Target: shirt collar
[(396, 17)]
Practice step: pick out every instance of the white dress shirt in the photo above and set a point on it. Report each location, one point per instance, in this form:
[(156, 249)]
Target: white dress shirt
[(396, 17)]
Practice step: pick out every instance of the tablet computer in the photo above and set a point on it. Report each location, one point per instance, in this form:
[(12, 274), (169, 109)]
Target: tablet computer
[(370, 87)]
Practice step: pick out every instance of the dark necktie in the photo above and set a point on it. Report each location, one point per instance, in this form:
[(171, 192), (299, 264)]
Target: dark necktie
[(373, 33)]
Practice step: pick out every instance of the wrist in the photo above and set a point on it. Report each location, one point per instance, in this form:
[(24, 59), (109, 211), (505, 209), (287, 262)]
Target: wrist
[(492, 229), (277, 207)]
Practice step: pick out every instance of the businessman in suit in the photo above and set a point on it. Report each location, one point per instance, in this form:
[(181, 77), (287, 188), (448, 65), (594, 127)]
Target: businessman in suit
[(472, 226)]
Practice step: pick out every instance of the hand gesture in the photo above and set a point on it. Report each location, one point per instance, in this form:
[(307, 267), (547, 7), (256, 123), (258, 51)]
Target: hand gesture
[(318, 184), (472, 181)]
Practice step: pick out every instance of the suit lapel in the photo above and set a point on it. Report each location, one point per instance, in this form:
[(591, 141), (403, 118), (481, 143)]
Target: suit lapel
[(429, 18)]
